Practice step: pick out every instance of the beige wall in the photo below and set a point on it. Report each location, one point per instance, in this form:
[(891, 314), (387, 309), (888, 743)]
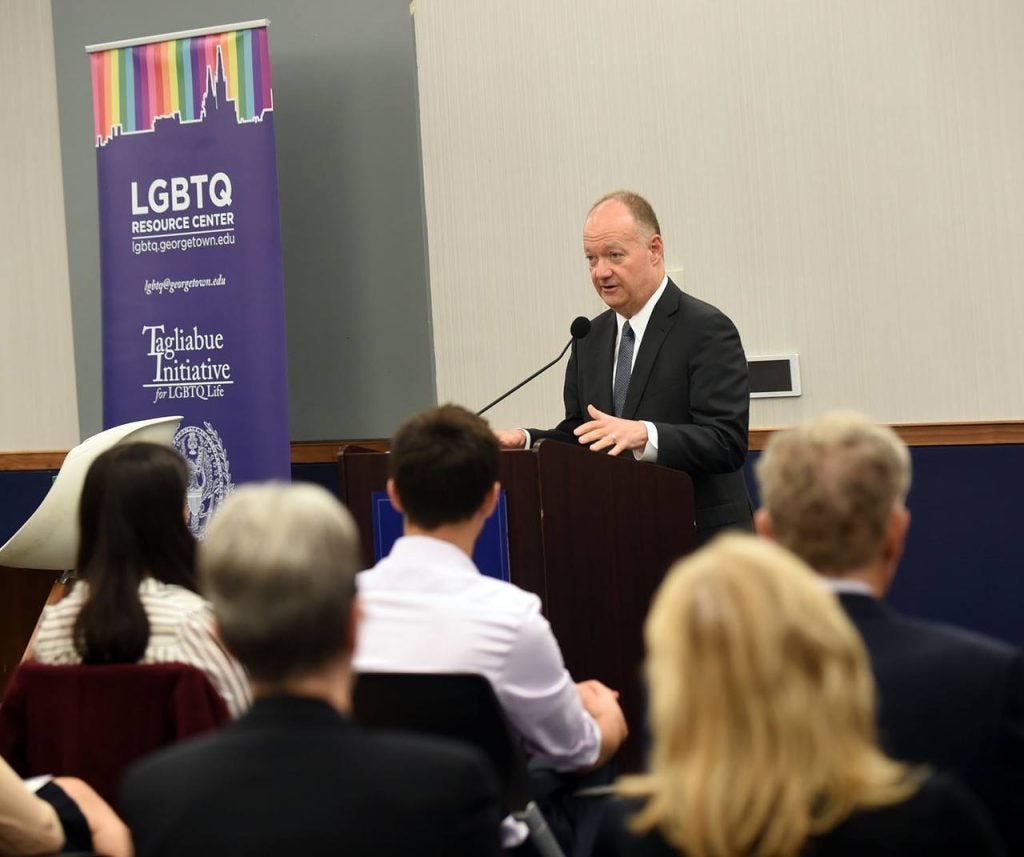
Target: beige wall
[(844, 179), (37, 384)]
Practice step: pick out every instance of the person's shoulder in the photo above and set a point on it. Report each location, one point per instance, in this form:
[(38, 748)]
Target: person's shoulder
[(941, 817), (942, 639), (957, 819), (443, 771), (498, 597), (168, 605), (165, 776), (410, 749), (693, 306)]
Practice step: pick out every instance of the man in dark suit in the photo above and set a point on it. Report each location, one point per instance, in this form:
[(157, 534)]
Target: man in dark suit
[(661, 374), (294, 775), (833, 492)]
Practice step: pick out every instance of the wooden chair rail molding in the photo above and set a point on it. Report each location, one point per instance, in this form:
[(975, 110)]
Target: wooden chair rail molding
[(325, 451), (937, 434)]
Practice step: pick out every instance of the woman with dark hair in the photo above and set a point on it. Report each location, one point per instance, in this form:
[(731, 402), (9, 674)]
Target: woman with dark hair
[(135, 599)]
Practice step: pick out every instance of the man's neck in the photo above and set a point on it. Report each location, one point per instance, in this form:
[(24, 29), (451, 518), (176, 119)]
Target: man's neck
[(463, 534), (332, 684)]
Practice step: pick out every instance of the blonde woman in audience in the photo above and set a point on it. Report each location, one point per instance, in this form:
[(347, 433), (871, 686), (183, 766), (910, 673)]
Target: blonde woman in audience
[(762, 717), (135, 599)]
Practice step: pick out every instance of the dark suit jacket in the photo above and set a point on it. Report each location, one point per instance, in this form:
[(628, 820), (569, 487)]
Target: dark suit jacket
[(690, 380), (941, 819), (952, 699), (292, 776)]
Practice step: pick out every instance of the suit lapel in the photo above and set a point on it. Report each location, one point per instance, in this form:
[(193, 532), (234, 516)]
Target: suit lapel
[(602, 356), (662, 319)]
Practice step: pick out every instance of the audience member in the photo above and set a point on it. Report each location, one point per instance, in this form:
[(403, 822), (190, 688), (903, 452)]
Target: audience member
[(834, 493), (135, 599), (761, 708), (294, 775), (63, 814), (427, 608)]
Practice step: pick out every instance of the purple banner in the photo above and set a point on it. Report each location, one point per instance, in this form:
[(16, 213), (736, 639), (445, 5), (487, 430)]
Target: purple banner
[(193, 299)]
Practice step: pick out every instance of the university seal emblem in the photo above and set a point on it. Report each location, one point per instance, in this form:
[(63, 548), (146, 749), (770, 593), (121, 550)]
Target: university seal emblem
[(209, 481)]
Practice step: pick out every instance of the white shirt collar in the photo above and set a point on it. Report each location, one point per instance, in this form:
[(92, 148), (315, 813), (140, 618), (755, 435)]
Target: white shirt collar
[(427, 549), (848, 586), (639, 321)]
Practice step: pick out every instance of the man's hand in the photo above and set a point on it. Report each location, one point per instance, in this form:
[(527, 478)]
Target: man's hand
[(603, 705), (605, 433), (511, 438)]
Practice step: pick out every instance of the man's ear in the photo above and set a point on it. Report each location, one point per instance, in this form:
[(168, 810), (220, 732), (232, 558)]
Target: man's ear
[(763, 524), (896, 535), (491, 500), (393, 496), (656, 248)]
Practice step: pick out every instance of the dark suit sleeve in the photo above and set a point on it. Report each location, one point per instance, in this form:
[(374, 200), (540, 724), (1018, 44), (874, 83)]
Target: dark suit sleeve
[(715, 439)]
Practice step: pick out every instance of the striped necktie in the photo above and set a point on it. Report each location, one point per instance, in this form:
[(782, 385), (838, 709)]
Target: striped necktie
[(623, 367)]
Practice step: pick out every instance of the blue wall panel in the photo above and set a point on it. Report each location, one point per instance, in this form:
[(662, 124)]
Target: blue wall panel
[(21, 491), (962, 564)]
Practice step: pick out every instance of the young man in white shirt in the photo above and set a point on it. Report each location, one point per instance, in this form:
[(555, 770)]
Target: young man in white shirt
[(427, 608)]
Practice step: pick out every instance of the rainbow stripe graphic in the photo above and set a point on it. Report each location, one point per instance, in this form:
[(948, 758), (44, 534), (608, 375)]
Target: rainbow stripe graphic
[(133, 87)]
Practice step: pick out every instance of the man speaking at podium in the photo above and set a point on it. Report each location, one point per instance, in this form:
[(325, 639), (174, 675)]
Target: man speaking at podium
[(661, 374)]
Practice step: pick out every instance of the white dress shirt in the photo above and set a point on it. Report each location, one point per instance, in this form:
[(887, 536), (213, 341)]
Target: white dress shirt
[(638, 323), (426, 608)]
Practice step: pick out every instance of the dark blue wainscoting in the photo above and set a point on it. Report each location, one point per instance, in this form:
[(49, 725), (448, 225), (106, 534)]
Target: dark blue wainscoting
[(964, 562), (21, 491)]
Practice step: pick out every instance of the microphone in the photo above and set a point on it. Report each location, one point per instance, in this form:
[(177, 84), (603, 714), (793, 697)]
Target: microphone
[(579, 328)]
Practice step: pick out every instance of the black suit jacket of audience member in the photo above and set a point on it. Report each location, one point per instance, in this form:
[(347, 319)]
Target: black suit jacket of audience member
[(292, 776), (941, 819), (952, 699), (689, 379)]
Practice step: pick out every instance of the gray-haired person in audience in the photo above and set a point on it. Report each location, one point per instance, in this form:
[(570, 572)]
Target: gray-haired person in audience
[(834, 492), (294, 775)]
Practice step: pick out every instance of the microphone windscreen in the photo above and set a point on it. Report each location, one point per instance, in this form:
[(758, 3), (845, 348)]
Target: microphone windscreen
[(580, 327)]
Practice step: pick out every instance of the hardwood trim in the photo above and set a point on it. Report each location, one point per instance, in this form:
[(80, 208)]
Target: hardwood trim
[(937, 434), (44, 459), (326, 451)]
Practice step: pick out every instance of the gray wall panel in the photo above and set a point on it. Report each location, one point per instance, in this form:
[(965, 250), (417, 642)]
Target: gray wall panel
[(360, 350)]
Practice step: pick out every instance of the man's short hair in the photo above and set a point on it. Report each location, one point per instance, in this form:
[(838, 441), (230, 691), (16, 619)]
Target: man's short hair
[(278, 564), (830, 486), (646, 220), (443, 462)]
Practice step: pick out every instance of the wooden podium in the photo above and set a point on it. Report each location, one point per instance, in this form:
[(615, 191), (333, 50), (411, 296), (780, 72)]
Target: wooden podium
[(592, 535)]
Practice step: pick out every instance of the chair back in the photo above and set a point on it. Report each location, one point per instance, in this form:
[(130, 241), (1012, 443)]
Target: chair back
[(93, 721), (461, 706)]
